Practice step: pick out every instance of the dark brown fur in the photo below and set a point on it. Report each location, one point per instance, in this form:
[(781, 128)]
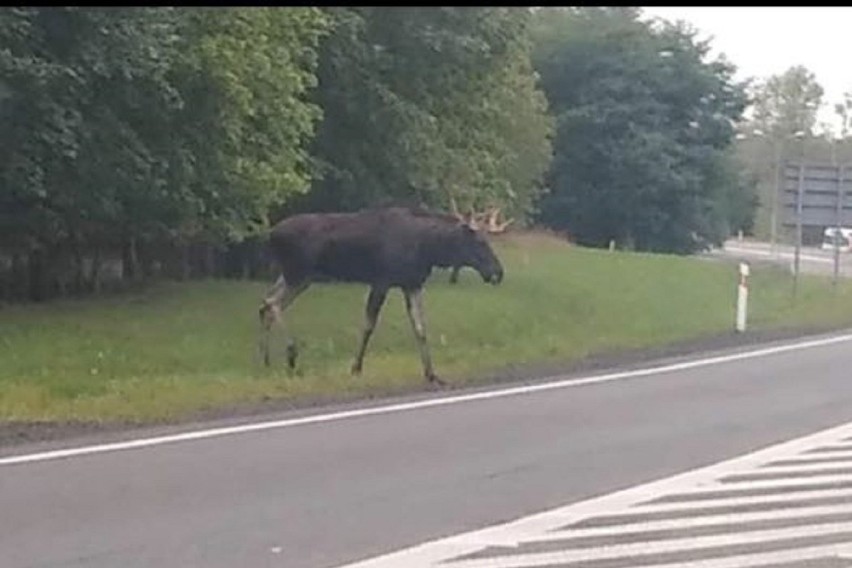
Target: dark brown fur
[(383, 248)]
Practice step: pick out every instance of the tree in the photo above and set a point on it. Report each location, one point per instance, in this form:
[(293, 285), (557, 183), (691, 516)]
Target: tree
[(787, 103), (157, 134), (844, 112), (76, 162), (245, 74), (156, 125), (429, 103), (644, 122)]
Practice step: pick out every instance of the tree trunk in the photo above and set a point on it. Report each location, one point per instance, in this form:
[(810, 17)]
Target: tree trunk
[(20, 276), (79, 269), (95, 275), (209, 260), (61, 274), (37, 276), (129, 260), (185, 268), (246, 267)]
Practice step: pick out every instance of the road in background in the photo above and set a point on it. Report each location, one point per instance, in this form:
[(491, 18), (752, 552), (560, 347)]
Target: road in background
[(813, 260)]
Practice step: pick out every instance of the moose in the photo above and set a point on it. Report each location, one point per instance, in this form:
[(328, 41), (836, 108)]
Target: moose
[(383, 247)]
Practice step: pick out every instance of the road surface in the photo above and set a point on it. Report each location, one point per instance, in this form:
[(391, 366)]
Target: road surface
[(812, 260), (327, 490)]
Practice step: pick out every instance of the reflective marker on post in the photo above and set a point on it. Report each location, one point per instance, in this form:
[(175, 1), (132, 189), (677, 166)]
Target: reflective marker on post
[(742, 297)]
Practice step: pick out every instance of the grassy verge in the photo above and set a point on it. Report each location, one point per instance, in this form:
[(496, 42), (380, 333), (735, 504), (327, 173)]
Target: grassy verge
[(180, 348)]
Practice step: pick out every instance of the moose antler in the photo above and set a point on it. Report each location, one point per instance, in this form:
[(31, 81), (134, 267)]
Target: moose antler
[(493, 226), (455, 210), (470, 219), (488, 220)]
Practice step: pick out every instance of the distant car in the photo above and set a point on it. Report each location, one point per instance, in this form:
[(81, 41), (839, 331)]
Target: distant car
[(832, 237)]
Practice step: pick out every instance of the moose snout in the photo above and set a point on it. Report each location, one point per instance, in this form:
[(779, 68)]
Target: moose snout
[(497, 276)]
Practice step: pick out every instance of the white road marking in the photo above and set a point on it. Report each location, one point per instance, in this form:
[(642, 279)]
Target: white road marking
[(755, 559), (823, 457), (432, 402), (555, 525), (830, 552), (692, 546), (805, 467), (697, 505), (750, 485), (704, 521)]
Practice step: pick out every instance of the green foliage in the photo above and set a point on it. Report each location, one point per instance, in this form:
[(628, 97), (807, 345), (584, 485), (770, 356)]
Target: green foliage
[(151, 132), (85, 88), (429, 103), (643, 124), (244, 74), (787, 103), (150, 124)]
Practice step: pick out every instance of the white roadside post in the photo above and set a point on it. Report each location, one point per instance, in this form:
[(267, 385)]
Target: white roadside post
[(742, 297)]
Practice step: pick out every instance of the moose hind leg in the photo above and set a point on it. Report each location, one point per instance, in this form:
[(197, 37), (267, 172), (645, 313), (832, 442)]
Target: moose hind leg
[(375, 301), (414, 307), (279, 297), (269, 314)]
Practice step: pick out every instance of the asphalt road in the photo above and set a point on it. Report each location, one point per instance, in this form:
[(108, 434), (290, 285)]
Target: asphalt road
[(812, 260), (329, 493)]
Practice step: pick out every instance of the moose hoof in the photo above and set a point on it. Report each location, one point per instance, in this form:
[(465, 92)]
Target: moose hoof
[(355, 370), (435, 380)]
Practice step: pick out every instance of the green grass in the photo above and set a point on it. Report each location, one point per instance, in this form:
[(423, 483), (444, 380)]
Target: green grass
[(179, 348)]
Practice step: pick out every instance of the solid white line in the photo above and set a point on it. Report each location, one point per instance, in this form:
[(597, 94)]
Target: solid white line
[(692, 545), (433, 402)]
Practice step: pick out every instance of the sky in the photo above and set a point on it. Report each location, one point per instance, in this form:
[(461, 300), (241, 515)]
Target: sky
[(767, 41)]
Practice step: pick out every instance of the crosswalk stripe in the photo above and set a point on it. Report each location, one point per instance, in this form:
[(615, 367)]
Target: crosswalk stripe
[(779, 500), (693, 523), (809, 460), (693, 545), (756, 559), (787, 503), (805, 468)]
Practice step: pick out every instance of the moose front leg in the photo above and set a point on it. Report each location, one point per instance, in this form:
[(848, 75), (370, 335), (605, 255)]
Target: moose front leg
[(414, 307), (374, 305), (279, 297)]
